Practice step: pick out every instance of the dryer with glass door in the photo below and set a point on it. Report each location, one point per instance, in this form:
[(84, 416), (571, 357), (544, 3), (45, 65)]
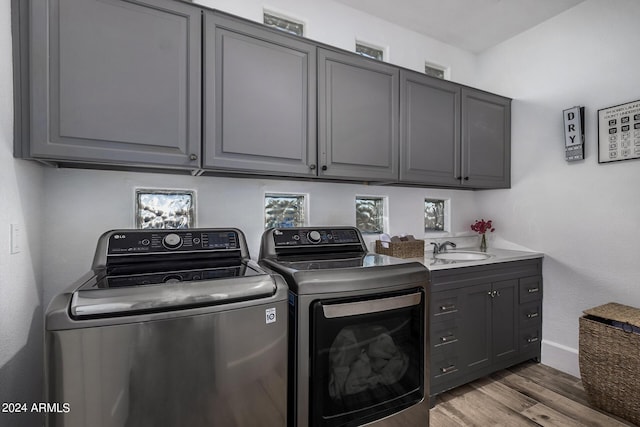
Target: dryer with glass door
[(357, 329)]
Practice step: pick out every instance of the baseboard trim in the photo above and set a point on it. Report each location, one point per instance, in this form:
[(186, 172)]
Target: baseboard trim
[(560, 357)]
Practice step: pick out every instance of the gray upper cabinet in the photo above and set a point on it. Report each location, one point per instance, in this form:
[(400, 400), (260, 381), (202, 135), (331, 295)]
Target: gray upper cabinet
[(358, 117), (486, 140), (260, 103), (167, 84), (115, 82), (429, 130), (452, 135)]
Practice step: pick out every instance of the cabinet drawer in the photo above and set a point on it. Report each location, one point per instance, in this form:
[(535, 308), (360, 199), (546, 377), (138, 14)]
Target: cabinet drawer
[(530, 338), (530, 289), (445, 306), (530, 314), (444, 368), (444, 336)]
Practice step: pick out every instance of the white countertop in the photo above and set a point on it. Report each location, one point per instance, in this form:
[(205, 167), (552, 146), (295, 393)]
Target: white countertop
[(496, 256)]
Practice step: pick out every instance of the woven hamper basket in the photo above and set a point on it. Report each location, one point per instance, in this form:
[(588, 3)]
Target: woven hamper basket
[(408, 249), (610, 359)]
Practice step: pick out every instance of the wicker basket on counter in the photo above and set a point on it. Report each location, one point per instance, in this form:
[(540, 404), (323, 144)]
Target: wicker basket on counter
[(408, 249), (610, 359)]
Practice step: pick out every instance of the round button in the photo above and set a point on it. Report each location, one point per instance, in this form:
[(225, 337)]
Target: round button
[(172, 241), (145, 242), (314, 237)]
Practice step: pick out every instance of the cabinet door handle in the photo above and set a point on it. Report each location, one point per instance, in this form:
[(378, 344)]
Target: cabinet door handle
[(491, 294), (533, 315), (448, 338), (324, 167), (448, 369), (193, 157), (449, 307), (466, 178), (312, 167), (533, 290), (497, 293), (532, 340)]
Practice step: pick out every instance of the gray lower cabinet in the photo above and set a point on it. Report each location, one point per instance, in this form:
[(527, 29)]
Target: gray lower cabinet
[(259, 99), (452, 135), (486, 140), (483, 319), (113, 81), (358, 102)]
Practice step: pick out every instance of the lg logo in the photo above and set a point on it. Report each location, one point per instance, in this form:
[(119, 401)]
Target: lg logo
[(119, 236)]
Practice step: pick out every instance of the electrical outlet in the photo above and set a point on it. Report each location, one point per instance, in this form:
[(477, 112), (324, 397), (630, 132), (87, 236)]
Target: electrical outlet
[(16, 238)]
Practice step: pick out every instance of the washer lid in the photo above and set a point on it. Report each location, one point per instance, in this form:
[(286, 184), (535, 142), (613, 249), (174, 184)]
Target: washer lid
[(94, 301)]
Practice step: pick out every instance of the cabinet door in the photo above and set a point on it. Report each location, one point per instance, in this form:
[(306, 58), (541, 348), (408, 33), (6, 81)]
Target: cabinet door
[(116, 82), (504, 315), (260, 103), (476, 344), (429, 130), (486, 140), (357, 117)]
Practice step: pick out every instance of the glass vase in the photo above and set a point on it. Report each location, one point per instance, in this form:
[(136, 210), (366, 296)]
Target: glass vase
[(483, 243)]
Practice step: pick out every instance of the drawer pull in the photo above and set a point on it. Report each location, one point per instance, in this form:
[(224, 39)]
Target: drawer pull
[(533, 315), (449, 307), (532, 340), (447, 338), (448, 369), (533, 290)]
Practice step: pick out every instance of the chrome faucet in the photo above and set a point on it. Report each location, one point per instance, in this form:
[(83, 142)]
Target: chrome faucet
[(439, 247)]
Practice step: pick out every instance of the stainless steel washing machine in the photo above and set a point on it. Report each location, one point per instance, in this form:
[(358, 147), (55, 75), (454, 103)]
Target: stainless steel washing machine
[(170, 328), (357, 328)]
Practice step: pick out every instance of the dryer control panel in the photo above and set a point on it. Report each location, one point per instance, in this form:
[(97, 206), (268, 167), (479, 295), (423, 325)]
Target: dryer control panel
[(296, 237)]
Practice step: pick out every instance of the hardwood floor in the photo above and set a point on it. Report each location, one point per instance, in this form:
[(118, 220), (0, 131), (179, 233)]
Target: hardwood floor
[(530, 394)]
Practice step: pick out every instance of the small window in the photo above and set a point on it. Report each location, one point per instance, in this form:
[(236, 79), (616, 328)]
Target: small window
[(284, 24), (434, 215), (369, 51), (167, 209), (284, 210), (434, 70), (370, 214)]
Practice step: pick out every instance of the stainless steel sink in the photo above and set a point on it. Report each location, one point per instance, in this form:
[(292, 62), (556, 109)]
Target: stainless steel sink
[(462, 256)]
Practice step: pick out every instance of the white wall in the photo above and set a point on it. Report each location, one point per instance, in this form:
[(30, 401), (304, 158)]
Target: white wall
[(84, 204), (20, 279), (584, 216)]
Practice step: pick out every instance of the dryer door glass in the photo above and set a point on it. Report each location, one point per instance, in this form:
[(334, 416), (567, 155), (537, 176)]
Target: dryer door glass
[(367, 357)]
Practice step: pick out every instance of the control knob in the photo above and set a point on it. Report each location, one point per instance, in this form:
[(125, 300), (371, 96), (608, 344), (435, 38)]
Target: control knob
[(172, 241), (314, 237)]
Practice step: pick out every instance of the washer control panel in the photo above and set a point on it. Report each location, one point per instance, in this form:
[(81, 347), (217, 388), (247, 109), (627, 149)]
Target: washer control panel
[(304, 237), (162, 241)]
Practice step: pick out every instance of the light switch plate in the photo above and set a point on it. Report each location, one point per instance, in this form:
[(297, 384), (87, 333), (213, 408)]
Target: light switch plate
[(16, 238)]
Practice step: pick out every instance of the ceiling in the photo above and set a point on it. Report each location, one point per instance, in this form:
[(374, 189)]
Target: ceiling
[(472, 25)]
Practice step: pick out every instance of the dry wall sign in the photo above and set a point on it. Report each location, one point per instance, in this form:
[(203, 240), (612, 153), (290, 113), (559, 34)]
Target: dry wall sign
[(574, 134), (619, 132)]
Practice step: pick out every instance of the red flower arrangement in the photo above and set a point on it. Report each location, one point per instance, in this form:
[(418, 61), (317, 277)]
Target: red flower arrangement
[(482, 226)]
